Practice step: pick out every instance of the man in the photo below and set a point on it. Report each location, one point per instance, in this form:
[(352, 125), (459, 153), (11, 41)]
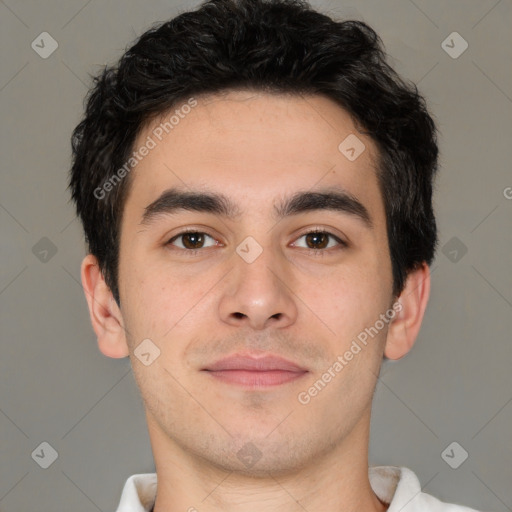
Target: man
[(255, 185)]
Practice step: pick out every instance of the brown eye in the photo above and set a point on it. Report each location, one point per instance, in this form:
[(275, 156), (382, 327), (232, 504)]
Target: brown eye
[(191, 240), (317, 240)]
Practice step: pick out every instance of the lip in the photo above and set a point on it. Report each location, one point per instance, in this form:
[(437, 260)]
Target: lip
[(255, 372)]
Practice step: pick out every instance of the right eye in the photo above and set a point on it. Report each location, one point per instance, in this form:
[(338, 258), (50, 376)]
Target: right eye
[(191, 240)]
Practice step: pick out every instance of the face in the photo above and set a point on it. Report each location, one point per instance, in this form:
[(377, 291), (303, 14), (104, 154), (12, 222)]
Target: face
[(248, 313)]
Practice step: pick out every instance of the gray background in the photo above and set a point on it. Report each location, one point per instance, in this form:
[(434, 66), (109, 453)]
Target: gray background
[(55, 385)]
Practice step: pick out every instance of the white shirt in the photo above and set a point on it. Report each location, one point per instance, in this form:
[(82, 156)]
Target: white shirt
[(397, 486)]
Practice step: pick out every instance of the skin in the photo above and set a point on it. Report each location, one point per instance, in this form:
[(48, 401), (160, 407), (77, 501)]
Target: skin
[(256, 148)]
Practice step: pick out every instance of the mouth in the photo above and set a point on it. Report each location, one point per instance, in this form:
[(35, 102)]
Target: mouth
[(255, 372)]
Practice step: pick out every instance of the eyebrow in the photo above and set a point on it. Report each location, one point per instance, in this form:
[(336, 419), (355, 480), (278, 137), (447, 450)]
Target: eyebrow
[(331, 199)]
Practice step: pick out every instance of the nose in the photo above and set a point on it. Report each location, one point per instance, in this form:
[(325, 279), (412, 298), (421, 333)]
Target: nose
[(258, 294)]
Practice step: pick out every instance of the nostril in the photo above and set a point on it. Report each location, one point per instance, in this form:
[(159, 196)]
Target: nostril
[(239, 315)]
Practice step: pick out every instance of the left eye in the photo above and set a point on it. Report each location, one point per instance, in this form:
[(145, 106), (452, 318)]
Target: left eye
[(320, 240)]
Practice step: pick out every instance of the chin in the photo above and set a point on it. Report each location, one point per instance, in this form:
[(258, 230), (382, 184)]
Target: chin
[(259, 456)]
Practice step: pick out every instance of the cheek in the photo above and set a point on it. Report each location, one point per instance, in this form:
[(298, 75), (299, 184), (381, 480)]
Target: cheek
[(161, 300), (349, 300), (143, 292)]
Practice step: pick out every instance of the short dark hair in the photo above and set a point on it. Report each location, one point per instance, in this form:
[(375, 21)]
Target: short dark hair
[(275, 46)]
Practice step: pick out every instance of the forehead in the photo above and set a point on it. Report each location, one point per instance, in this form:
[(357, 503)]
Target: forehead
[(254, 147)]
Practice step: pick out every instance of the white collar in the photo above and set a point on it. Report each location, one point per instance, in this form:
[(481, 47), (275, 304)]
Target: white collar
[(397, 486)]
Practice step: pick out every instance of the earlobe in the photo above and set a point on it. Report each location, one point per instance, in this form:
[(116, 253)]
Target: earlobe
[(106, 317), (404, 328)]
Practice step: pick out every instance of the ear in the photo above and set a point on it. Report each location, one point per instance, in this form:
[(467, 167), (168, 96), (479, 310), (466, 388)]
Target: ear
[(106, 316), (411, 305)]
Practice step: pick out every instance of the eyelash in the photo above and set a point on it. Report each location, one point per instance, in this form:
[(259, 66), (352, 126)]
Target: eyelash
[(315, 252), (322, 252)]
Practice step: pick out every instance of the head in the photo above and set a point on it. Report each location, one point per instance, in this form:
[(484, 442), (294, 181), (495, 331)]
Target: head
[(256, 119)]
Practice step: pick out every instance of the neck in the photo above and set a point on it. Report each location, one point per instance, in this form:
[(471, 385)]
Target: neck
[(336, 480)]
